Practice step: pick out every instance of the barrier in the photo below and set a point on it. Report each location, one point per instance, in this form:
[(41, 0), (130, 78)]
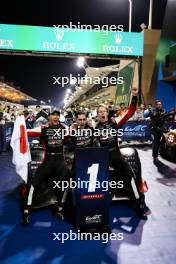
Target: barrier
[(5, 135), (140, 130), (136, 131)]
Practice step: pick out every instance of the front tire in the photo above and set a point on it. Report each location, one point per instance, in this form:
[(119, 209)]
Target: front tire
[(131, 156)]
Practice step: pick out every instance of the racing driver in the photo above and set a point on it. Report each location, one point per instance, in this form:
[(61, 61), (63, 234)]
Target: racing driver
[(53, 167), (133, 186)]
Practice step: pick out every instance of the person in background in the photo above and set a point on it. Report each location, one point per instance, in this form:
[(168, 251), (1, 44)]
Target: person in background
[(142, 107), (25, 108), (30, 119), (7, 113), (157, 116), (123, 109), (111, 110), (62, 117), (15, 110), (93, 112), (37, 110), (73, 110), (13, 115), (2, 121), (69, 118), (2, 107), (138, 115), (77, 109), (117, 113), (43, 113), (149, 107)]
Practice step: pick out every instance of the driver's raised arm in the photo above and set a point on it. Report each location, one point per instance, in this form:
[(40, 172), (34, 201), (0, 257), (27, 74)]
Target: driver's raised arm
[(131, 109), (35, 132)]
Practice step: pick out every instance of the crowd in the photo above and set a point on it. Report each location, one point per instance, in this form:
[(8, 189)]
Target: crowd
[(8, 113), (37, 115), (116, 112)]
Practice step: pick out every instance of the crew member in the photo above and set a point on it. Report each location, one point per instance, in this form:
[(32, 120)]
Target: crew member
[(157, 116)]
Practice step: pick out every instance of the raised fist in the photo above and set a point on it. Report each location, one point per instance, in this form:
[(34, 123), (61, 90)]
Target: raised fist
[(134, 91)]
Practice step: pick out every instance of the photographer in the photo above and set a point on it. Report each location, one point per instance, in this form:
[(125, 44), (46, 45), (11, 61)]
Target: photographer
[(157, 116)]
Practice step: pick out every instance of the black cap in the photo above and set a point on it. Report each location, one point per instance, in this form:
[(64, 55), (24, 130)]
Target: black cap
[(55, 112), (69, 115)]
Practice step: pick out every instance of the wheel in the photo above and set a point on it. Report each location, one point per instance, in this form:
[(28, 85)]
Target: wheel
[(132, 158)]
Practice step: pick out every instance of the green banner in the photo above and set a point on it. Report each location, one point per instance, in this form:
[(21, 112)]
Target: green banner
[(54, 39), (123, 90)]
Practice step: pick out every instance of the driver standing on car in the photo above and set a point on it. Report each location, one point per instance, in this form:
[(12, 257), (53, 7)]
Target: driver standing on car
[(116, 161), (83, 131), (81, 134), (53, 167)]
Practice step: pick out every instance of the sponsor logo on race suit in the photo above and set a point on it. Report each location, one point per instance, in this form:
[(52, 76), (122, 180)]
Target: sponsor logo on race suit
[(93, 219)]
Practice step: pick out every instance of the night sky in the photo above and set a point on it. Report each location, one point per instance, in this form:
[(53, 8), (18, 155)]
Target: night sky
[(35, 74)]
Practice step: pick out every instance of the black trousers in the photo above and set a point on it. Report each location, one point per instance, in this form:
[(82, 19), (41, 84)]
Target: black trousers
[(52, 169), (157, 135)]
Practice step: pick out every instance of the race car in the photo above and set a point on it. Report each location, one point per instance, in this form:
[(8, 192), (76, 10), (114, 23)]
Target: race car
[(168, 145), (37, 154)]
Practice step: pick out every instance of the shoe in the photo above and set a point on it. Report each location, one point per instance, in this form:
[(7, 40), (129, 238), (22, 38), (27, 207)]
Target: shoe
[(155, 160), (142, 215), (58, 212), (142, 210), (59, 216)]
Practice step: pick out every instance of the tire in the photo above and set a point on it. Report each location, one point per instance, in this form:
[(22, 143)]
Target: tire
[(131, 156), (163, 150)]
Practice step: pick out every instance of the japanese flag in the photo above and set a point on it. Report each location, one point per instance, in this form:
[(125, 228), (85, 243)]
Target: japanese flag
[(20, 147)]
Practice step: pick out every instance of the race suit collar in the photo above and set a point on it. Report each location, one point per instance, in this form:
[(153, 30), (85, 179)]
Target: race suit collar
[(58, 123)]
